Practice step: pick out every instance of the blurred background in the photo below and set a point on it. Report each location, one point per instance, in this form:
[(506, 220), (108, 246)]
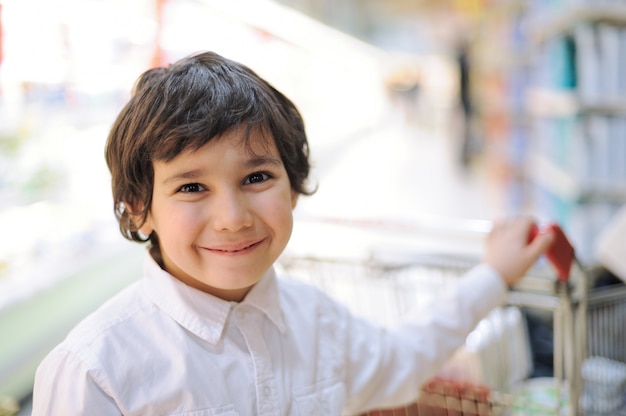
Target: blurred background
[(418, 111)]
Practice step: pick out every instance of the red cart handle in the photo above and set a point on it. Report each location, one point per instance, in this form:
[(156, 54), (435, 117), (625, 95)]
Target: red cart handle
[(560, 253)]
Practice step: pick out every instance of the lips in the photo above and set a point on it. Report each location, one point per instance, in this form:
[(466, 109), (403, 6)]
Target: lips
[(235, 248)]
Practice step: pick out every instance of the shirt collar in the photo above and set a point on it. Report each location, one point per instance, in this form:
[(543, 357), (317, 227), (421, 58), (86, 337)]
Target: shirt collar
[(201, 313), (265, 296)]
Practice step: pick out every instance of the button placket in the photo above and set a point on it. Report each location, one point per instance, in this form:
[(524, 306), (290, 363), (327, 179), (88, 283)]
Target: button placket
[(250, 324)]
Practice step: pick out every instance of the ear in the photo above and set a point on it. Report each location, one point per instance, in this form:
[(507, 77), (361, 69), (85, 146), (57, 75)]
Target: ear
[(145, 227)]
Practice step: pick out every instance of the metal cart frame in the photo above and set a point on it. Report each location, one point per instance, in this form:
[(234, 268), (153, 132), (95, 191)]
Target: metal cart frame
[(458, 245)]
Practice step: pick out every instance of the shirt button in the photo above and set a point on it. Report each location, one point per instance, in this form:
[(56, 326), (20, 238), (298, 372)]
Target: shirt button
[(267, 391), (240, 314)]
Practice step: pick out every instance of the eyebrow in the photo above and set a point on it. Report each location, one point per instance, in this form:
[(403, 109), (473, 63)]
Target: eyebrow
[(185, 175), (249, 163), (261, 160)]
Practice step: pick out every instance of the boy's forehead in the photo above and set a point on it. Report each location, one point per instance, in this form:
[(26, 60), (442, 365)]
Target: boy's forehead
[(253, 143), (256, 141)]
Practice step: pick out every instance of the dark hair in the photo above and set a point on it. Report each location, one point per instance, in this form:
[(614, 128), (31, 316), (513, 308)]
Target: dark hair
[(183, 107)]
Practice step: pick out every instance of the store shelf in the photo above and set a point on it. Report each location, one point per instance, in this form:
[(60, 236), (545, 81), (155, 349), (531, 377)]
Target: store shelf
[(616, 107), (566, 103), (542, 171), (562, 21), (568, 186), (551, 102), (546, 102), (575, 155)]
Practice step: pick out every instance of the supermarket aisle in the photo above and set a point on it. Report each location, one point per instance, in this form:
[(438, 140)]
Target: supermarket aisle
[(395, 171), (397, 177)]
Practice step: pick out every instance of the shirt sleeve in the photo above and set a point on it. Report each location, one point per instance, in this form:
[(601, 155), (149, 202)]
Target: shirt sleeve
[(388, 366), (64, 385)]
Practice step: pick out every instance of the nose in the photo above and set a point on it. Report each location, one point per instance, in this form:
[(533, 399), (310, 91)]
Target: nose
[(230, 211)]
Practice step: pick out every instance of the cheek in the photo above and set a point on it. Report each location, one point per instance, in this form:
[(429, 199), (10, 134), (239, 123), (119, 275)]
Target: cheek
[(279, 207), (177, 221)]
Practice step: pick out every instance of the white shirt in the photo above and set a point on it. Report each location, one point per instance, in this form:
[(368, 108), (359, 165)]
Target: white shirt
[(161, 347)]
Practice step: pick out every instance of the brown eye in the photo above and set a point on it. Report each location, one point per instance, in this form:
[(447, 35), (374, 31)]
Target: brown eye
[(257, 177), (191, 187)]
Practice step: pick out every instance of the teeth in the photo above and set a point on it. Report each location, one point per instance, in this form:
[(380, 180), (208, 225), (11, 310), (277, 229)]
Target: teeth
[(238, 250)]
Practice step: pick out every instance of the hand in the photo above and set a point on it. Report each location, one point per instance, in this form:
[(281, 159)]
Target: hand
[(509, 251)]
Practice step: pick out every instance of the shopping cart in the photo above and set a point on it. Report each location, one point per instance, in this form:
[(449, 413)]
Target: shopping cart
[(398, 265), (604, 368)]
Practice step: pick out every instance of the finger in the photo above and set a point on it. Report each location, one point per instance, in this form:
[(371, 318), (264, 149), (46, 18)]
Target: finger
[(541, 243)]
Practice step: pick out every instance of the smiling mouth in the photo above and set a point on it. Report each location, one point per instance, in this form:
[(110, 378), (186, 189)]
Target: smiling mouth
[(234, 250)]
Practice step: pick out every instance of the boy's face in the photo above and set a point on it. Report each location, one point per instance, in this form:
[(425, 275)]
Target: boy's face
[(222, 214)]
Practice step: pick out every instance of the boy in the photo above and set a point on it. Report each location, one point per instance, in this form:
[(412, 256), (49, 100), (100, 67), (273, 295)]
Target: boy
[(208, 161)]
